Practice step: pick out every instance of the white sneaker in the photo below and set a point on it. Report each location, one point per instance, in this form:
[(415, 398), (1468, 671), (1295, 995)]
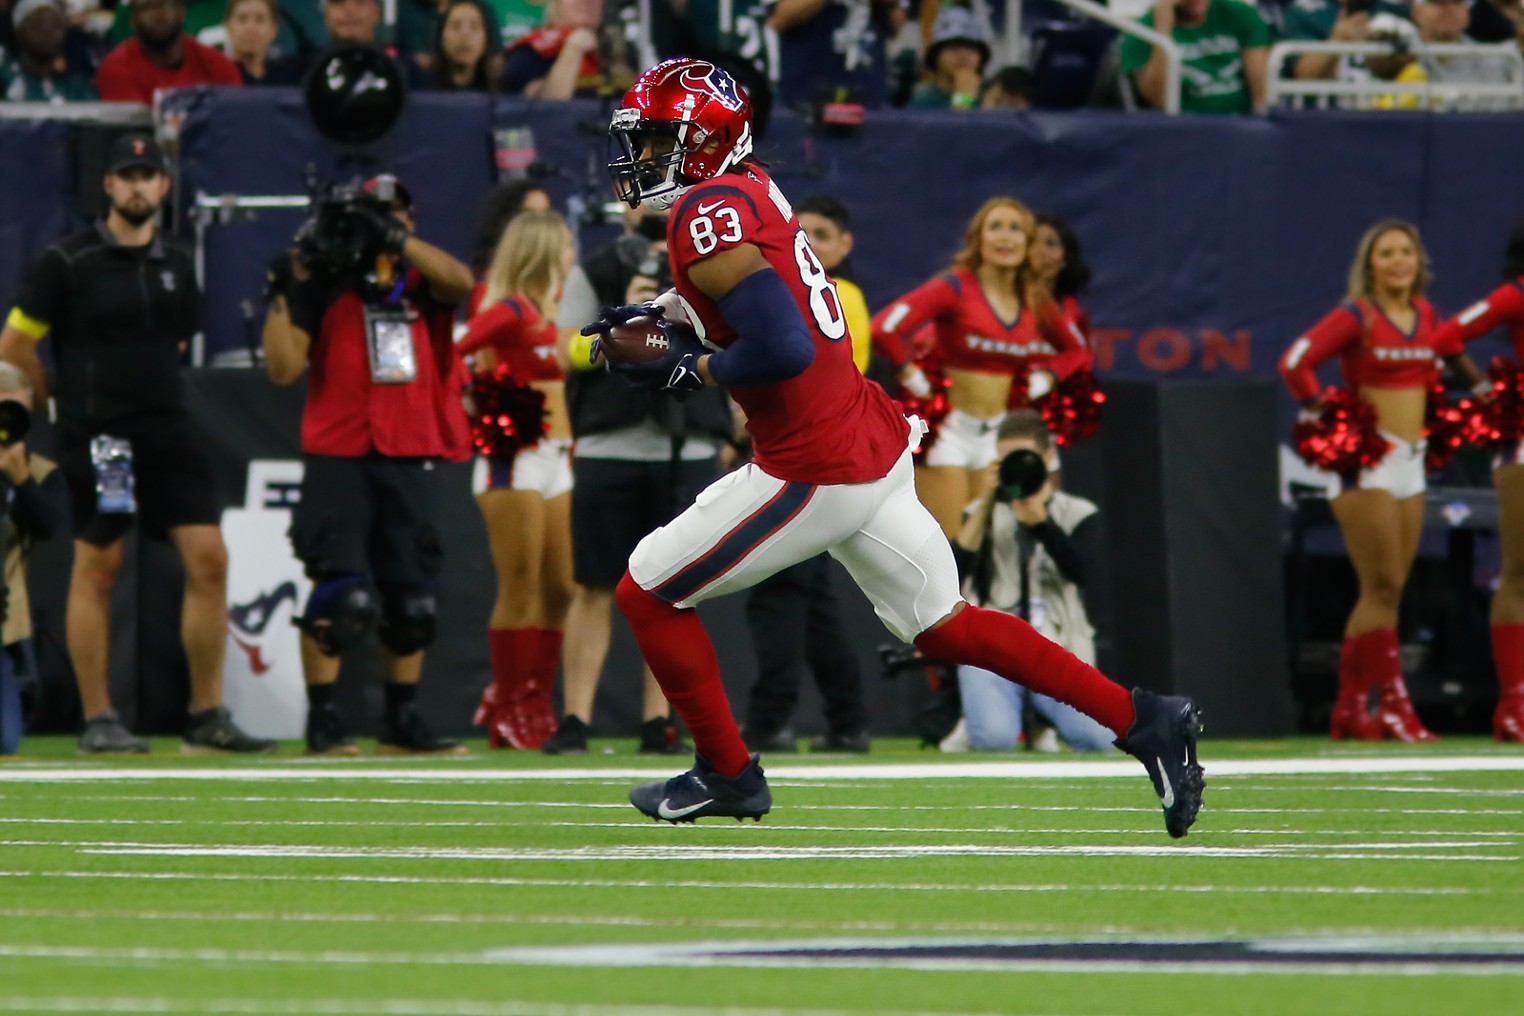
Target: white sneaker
[(957, 741), (1046, 741)]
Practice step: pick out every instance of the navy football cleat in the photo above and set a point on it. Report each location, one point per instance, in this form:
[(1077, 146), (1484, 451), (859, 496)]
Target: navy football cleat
[(701, 793), (1163, 738)]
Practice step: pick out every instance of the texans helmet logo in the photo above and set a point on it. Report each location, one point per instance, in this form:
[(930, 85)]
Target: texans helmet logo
[(714, 82)]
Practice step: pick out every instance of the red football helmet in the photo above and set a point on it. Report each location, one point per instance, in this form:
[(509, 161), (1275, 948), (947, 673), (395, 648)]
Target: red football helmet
[(683, 121)]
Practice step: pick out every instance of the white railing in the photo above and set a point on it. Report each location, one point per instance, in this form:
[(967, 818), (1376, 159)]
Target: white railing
[(1125, 25), (1326, 92)]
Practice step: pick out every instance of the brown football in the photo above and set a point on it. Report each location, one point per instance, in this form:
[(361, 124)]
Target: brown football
[(640, 341)]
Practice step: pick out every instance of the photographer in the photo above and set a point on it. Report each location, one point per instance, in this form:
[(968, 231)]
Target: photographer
[(119, 303), (1027, 548), (639, 459), (32, 493), (370, 309)]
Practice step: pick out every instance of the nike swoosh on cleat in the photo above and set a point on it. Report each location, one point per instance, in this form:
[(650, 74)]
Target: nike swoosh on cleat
[(1167, 795), (671, 813)]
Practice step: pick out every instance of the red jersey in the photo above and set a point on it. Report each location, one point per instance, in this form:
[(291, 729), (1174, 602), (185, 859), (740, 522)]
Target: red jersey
[(348, 414), (971, 336), (1503, 306), (126, 75), (1372, 351), (518, 336), (1079, 315), (829, 424)]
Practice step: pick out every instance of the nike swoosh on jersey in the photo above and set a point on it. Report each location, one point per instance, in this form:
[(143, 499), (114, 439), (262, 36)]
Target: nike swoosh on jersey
[(707, 209), (1168, 794), (671, 813)]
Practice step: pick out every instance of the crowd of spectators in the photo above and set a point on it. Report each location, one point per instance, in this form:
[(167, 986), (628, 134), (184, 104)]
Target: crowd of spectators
[(805, 54)]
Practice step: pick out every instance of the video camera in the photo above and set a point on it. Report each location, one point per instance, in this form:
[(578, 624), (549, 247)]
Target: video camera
[(339, 240)]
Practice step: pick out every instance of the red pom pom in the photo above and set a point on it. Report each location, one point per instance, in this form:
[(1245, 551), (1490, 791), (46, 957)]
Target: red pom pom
[(1072, 410), (1447, 427), (508, 416), (1501, 419), (933, 408), (1343, 439)]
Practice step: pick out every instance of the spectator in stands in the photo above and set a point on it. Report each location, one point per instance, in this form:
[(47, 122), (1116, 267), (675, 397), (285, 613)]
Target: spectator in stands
[(993, 327), (464, 59), (251, 28), (1441, 22), (357, 21), (39, 72), (1059, 268), (734, 36), (1224, 49), (383, 406), (526, 499), (1029, 553), (793, 615), (955, 60), (1384, 336), (640, 459), (160, 55), (119, 304), (1008, 88), (834, 50), (420, 23), (561, 59), (1333, 21)]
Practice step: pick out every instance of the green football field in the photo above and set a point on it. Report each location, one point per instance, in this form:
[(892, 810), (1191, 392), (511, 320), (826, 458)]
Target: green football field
[(1321, 879)]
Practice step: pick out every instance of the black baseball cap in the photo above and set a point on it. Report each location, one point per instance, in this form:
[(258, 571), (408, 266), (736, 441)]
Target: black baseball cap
[(135, 150)]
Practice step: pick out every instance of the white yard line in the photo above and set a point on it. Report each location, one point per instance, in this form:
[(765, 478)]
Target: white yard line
[(99, 1006), (1065, 769), (1501, 889)]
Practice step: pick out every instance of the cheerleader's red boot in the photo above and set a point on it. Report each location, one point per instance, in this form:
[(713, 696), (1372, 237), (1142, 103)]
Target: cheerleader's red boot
[(1395, 714), (1352, 719), (1508, 658), (512, 652)]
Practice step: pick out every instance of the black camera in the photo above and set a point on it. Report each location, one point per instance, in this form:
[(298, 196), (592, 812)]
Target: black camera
[(339, 242), (636, 256), (15, 421), (1022, 474)]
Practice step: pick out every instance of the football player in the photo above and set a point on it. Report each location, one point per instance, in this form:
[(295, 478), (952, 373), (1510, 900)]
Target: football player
[(831, 471)]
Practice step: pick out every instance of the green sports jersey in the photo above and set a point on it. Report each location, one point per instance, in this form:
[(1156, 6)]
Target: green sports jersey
[(1211, 57)]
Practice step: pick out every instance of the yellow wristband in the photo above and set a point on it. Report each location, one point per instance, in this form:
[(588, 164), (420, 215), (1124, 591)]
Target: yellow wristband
[(26, 325), (580, 350)]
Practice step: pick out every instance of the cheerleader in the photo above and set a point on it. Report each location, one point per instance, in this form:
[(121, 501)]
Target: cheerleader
[(990, 323), (1384, 336), (1059, 268), (1504, 306), (526, 501)]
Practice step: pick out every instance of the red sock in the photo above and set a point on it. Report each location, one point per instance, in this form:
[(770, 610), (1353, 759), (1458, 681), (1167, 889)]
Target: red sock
[(513, 654), (547, 659), (681, 656), (1508, 657), (1360, 663), (1006, 645)]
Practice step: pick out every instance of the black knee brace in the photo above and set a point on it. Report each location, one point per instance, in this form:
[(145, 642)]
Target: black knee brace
[(407, 620), (340, 612)]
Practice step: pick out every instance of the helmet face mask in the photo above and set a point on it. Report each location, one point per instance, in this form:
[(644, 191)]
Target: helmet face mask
[(682, 122), (646, 160)]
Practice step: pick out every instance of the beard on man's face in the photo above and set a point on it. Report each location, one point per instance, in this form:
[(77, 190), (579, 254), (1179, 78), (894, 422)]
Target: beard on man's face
[(136, 210), (161, 37)]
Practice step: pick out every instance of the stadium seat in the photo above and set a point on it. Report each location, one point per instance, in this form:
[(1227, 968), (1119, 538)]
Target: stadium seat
[(1065, 57)]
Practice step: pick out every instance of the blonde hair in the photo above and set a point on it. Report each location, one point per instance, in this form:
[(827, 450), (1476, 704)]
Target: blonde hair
[(529, 259), (971, 256), (1362, 281)]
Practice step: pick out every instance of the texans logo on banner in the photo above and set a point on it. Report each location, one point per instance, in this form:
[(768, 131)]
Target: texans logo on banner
[(266, 588)]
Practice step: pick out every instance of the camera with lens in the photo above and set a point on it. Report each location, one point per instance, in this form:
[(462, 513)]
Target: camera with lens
[(637, 257), (339, 241), (15, 421), (1022, 474)]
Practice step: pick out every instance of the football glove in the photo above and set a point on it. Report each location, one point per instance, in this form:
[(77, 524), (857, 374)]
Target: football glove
[(610, 318), (676, 372)]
